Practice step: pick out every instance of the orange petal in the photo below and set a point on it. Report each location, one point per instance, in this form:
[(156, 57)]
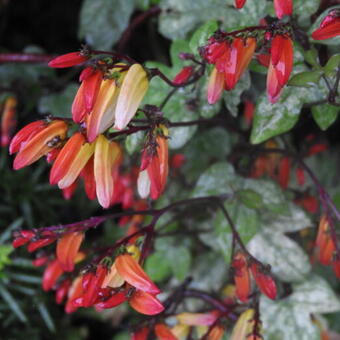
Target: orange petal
[(216, 333), (67, 249), (241, 277), (130, 270), (79, 161), (112, 278), (41, 144), (78, 106), (8, 120), (51, 274), (145, 303), (163, 332), (132, 92), (106, 156), (66, 157), (215, 86), (284, 66), (89, 182)]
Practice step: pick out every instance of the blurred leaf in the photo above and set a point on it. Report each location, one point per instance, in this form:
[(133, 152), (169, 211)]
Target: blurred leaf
[(6, 234), (202, 34), (250, 198), (315, 296), (304, 9), (134, 142), (288, 261), (5, 251), (247, 223), (283, 320), (305, 79), (181, 266), (332, 64), (46, 316), (13, 305), (59, 104), (103, 21), (219, 179), (157, 266), (325, 115)]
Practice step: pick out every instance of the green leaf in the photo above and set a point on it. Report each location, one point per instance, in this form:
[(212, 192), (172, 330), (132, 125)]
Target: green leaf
[(157, 266), (58, 104), (177, 47), (13, 305), (181, 266), (288, 261), (312, 57), (283, 320), (247, 223), (134, 142), (219, 179), (250, 198), (333, 41), (273, 119), (294, 219), (272, 195), (305, 79), (304, 9), (315, 296), (103, 21), (5, 251), (332, 64), (202, 34), (325, 115), (207, 143)]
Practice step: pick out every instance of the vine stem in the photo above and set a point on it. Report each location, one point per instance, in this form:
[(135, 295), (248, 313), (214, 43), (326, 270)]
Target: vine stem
[(27, 58)]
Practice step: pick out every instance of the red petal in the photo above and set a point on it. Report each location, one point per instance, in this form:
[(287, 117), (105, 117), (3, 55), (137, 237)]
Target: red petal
[(284, 171), (51, 274), (91, 89), (78, 106), (130, 270), (67, 60), (330, 30), (89, 182), (183, 75), (113, 301), (141, 334), (163, 332), (265, 282), (283, 7), (33, 246), (241, 277), (62, 291), (240, 3)]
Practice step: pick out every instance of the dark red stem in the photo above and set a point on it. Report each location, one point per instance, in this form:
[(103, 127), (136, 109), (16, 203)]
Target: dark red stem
[(29, 58)]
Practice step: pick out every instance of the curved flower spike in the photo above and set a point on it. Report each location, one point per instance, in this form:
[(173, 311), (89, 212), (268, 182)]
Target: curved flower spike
[(67, 249), (8, 120), (106, 157), (68, 60), (40, 144), (283, 8), (243, 325), (131, 94), (130, 270), (240, 3), (241, 277), (329, 27), (51, 274), (145, 303), (163, 332), (265, 282)]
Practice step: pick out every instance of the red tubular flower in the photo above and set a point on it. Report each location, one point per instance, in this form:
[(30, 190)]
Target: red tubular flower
[(241, 276), (145, 303), (184, 75), (282, 57), (40, 243), (68, 60), (51, 274), (308, 202), (240, 3), (26, 134), (130, 270), (249, 109), (8, 120), (300, 176), (140, 334), (325, 242), (284, 171), (115, 300), (67, 249), (40, 261), (265, 282), (62, 291), (87, 175), (163, 332), (22, 237), (329, 27), (273, 86), (75, 292), (239, 58), (40, 144), (283, 7), (317, 148), (65, 157)]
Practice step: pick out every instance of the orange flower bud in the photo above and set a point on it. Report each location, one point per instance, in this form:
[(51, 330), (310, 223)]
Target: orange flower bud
[(129, 269), (67, 249), (215, 86), (265, 282), (241, 277), (67, 60)]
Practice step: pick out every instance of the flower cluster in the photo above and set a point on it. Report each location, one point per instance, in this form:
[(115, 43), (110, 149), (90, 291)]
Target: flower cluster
[(108, 98)]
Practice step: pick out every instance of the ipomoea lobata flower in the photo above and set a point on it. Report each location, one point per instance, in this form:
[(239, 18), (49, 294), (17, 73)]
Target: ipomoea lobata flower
[(68, 60)]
